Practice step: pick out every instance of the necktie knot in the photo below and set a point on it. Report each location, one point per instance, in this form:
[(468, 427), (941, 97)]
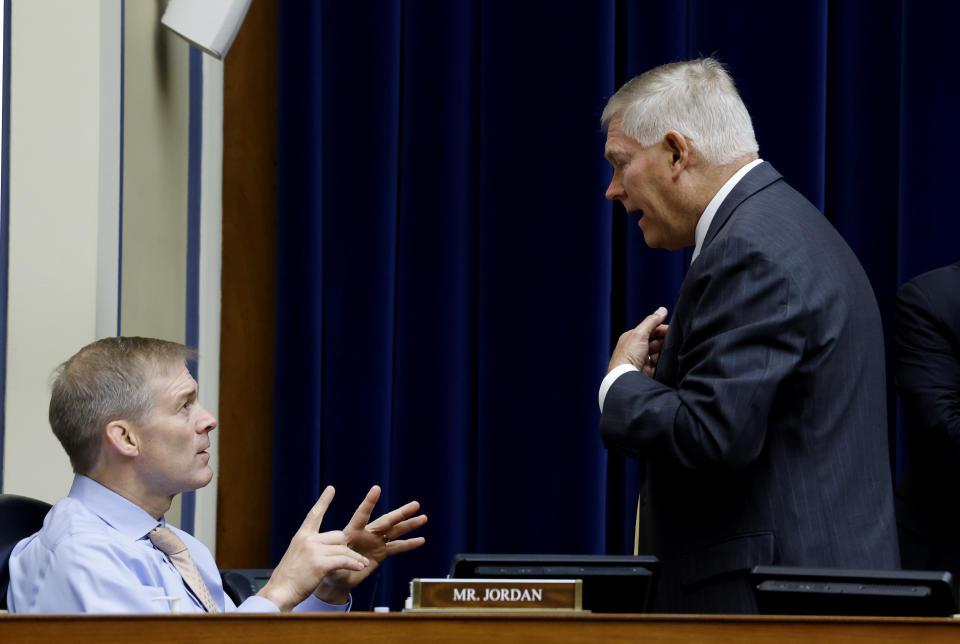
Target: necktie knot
[(166, 540)]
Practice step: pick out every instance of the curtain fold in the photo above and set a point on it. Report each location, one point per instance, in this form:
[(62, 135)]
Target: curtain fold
[(451, 278)]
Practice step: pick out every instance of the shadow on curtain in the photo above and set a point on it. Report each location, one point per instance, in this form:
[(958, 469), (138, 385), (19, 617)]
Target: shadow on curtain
[(451, 278)]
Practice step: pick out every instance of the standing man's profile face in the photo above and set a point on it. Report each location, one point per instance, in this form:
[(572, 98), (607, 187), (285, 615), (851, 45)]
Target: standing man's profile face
[(643, 181), (175, 436)]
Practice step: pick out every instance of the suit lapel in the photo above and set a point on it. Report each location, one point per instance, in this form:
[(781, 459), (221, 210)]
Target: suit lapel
[(757, 179)]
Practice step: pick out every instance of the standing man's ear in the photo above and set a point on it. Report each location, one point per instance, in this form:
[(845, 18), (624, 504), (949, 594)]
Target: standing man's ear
[(122, 437), (679, 148)]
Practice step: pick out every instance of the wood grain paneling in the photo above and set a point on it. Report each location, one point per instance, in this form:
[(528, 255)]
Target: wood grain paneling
[(394, 628), (248, 282)]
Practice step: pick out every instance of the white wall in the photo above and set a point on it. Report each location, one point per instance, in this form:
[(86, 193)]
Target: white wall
[(108, 255), (55, 161), (69, 275), (211, 212), (156, 152), (155, 164)]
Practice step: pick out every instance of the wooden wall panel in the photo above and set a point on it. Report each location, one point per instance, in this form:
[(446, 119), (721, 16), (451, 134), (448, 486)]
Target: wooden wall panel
[(248, 305), (410, 628)]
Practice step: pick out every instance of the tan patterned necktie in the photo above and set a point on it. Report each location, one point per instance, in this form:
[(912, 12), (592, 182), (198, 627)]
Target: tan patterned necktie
[(167, 542)]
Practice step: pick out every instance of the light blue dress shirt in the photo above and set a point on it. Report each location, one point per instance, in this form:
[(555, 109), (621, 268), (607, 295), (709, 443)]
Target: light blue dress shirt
[(93, 556)]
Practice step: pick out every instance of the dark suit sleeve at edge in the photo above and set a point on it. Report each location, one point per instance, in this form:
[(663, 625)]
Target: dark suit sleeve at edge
[(927, 373), (741, 339)]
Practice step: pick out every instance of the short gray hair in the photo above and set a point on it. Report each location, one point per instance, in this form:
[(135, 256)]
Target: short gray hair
[(697, 98), (105, 381)]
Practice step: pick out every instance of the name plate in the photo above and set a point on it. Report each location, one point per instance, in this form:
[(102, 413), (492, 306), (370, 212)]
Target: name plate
[(496, 594)]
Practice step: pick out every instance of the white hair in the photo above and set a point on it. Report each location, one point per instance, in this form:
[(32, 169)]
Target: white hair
[(696, 98)]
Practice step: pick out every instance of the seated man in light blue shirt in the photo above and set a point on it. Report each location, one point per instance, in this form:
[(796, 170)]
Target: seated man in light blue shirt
[(126, 412)]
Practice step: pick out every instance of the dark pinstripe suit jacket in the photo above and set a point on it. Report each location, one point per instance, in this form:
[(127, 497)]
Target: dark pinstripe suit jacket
[(928, 381), (764, 433)]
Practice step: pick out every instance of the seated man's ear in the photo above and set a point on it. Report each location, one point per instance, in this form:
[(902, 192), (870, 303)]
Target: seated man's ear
[(121, 436)]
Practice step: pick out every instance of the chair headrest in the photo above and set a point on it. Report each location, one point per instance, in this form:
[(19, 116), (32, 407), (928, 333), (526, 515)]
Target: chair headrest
[(20, 516)]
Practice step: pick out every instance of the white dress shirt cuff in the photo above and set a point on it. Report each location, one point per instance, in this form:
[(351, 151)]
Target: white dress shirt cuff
[(610, 377)]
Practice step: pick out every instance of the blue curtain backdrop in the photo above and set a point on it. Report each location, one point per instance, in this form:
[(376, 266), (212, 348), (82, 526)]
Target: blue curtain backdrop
[(451, 278)]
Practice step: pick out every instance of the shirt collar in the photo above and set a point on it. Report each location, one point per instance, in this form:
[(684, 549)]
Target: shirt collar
[(121, 513), (703, 225)]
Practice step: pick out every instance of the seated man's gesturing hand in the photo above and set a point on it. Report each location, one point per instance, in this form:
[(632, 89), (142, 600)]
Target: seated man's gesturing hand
[(375, 541), (311, 556)]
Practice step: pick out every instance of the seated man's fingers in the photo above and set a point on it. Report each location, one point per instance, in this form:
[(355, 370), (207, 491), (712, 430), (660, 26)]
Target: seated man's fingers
[(326, 552), (385, 522), (314, 518), (333, 538), (340, 562), (404, 545), (362, 514), (403, 527)]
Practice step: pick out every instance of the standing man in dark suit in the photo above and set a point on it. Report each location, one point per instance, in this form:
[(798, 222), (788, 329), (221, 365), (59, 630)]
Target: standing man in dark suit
[(758, 415), (927, 336)]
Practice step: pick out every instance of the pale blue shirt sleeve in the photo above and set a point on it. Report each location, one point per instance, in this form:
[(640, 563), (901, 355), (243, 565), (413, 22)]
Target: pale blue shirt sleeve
[(80, 575), (257, 604), (91, 570), (253, 604), (313, 605)]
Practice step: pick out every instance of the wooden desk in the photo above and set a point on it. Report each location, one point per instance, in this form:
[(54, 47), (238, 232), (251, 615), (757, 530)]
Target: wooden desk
[(395, 628)]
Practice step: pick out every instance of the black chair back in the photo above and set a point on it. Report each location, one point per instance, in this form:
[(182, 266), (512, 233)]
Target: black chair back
[(240, 583), (20, 516)]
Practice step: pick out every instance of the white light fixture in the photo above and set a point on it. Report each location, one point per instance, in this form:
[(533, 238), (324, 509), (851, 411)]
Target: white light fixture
[(210, 25)]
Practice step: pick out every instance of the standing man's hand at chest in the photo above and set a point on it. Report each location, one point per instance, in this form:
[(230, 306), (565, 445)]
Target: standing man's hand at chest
[(640, 346)]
